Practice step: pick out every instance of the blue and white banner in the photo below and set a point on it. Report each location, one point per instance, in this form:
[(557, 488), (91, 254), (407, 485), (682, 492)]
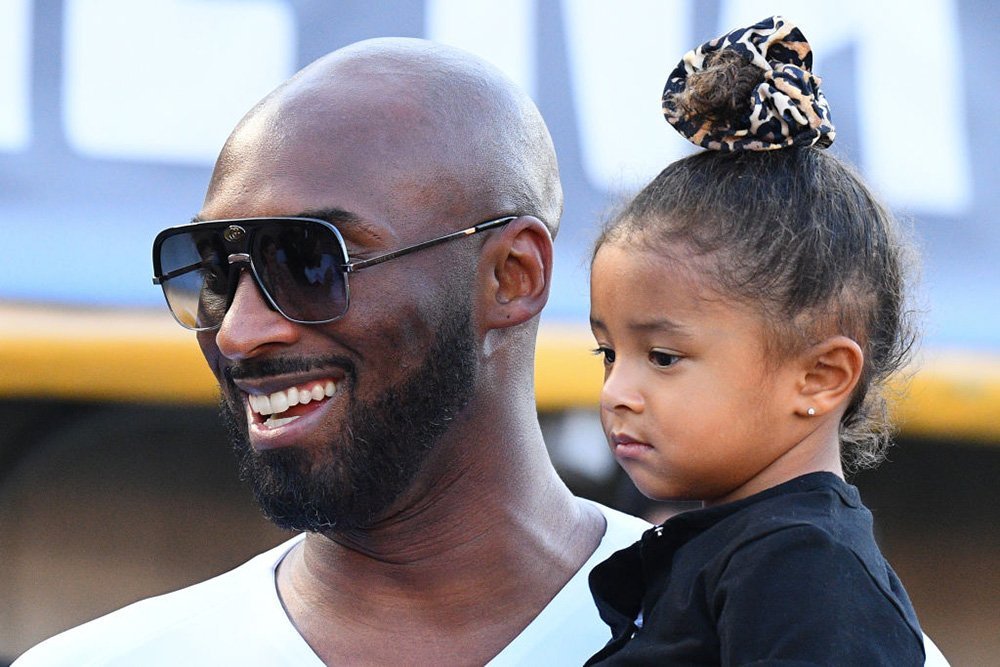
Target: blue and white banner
[(112, 112)]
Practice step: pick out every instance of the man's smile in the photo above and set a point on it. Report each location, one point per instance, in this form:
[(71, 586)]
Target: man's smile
[(272, 405), (280, 402)]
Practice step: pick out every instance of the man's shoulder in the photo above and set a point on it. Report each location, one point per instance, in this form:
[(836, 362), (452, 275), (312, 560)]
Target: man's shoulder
[(237, 617), (204, 616)]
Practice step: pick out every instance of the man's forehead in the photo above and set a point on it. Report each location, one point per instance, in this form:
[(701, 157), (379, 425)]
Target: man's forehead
[(369, 129), (402, 96), (372, 185), (345, 122), (380, 173)]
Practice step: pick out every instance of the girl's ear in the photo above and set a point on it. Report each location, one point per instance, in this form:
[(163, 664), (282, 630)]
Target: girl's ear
[(832, 369), (518, 262)]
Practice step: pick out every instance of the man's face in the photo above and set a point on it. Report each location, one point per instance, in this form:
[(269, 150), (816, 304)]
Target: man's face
[(375, 390), (374, 451)]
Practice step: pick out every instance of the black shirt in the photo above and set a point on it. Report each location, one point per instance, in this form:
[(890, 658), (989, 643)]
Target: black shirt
[(789, 576)]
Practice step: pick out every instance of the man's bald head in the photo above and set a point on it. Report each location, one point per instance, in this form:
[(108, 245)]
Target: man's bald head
[(438, 125)]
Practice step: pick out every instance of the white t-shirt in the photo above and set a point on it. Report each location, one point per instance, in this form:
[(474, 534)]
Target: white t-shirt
[(237, 619)]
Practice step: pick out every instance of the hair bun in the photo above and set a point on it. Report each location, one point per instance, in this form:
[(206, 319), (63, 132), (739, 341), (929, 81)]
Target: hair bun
[(752, 89)]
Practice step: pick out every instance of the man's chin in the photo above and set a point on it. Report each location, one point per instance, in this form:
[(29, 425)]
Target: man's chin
[(293, 490), (299, 494)]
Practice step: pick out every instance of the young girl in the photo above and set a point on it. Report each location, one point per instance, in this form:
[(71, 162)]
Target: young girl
[(749, 306)]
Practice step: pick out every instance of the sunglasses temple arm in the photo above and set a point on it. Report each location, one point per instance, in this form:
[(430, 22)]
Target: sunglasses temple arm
[(481, 227), (157, 280)]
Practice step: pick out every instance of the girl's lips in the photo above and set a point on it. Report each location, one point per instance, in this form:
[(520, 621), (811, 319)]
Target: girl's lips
[(627, 446), (626, 439)]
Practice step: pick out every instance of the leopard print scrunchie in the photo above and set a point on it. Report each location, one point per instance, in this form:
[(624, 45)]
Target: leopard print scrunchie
[(787, 108)]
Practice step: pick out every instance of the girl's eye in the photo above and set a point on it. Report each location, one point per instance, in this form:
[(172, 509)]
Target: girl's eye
[(607, 353), (663, 359)]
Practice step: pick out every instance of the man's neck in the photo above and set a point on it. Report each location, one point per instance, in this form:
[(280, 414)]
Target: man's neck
[(461, 571)]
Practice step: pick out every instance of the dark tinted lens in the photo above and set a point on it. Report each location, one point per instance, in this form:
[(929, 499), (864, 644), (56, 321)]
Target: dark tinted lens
[(198, 291), (299, 264)]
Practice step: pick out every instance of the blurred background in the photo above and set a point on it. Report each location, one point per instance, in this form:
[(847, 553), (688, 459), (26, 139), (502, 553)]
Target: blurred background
[(115, 479)]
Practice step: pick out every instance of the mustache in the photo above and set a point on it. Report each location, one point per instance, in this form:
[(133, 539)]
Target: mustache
[(252, 369)]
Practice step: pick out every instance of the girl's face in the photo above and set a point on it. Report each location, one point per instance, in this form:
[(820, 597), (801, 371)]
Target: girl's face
[(691, 407)]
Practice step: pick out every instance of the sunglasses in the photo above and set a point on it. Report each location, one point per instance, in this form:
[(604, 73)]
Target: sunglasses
[(299, 264)]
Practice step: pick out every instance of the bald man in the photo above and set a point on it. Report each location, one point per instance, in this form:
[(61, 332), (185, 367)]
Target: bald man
[(365, 279)]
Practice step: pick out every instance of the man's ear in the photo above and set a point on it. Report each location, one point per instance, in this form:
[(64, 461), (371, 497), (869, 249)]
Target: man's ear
[(831, 371), (518, 271)]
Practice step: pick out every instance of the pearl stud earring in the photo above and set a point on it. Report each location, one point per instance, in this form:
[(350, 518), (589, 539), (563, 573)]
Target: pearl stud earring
[(811, 412)]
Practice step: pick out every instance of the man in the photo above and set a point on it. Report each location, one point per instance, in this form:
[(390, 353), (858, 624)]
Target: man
[(393, 421)]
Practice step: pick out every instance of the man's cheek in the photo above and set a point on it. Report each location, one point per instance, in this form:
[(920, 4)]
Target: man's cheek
[(206, 340)]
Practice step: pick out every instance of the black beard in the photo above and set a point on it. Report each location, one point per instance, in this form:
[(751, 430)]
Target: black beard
[(378, 452)]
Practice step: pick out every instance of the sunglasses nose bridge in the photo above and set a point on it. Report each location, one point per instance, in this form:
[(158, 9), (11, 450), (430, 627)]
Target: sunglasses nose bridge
[(242, 263)]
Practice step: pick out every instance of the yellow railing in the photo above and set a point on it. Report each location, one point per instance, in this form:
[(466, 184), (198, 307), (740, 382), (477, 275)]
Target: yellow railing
[(122, 355)]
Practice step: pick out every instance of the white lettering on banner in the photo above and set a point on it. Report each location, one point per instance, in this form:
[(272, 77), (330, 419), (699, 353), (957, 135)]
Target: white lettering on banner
[(15, 74), (166, 80), (909, 81), (620, 54), (501, 32)]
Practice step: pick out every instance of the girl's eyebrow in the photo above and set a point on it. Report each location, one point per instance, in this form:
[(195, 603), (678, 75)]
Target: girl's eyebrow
[(659, 324), (596, 323), (662, 324)]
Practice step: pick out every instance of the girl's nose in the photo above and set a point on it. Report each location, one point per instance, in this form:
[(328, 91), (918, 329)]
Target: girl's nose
[(620, 391)]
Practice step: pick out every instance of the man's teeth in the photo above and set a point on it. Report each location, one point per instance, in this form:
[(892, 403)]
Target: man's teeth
[(279, 401), (275, 422)]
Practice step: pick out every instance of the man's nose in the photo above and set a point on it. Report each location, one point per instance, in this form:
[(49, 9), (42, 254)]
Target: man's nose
[(251, 325)]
